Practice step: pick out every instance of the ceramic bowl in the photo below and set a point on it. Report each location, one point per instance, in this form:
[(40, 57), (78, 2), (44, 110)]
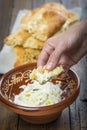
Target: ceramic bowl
[(10, 84)]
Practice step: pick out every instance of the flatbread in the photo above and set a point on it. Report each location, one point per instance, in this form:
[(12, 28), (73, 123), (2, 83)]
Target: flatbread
[(33, 43), (36, 27), (42, 75), (17, 38), (25, 55), (45, 23), (22, 38)]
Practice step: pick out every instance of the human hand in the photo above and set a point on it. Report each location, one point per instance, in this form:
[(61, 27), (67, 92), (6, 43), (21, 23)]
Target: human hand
[(65, 49)]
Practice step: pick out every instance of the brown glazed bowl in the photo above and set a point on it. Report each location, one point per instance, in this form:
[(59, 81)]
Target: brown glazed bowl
[(12, 80)]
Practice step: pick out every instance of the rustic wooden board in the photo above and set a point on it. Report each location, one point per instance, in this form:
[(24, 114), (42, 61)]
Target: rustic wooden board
[(28, 126), (83, 114), (62, 123), (8, 119), (39, 3), (27, 4), (74, 116), (5, 17), (70, 3)]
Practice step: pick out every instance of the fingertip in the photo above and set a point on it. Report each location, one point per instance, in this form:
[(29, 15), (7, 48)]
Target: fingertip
[(40, 62), (50, 65)]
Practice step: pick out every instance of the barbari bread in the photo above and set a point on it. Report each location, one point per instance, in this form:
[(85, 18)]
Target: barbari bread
[(23, 38), (48, 19), (40, 24), (45, 23), (33, 43), (25, 55), (36, 27), (17, 38)]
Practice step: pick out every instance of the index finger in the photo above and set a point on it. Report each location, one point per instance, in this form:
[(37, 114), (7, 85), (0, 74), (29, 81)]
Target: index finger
[(45, 54)]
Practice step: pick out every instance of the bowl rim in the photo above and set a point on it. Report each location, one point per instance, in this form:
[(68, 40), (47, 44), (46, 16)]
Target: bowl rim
[(16, 106)]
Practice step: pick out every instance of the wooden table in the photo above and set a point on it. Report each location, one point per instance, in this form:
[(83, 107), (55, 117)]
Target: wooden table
[(73, 117)]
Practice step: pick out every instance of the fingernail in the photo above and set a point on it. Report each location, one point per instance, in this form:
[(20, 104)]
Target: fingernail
[(49, 66)]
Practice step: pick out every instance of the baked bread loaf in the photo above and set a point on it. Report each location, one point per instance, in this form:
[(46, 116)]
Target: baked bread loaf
[(45, 23), (47, 20), (36, 27), (40, 24)]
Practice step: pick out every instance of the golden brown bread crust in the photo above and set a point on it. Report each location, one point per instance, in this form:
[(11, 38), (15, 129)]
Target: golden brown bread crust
[(23, 38), (29, 15), (52, 5), (17, 38), (25, 55), (42, 24), (62, 10), (33, 43), (36, 27)]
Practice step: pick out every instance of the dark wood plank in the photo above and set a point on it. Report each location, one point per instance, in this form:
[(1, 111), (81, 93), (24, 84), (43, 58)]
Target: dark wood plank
[(83, 114), (74, 116), (39, 3), (27, 4), (70, 3), (8, 119), (62, 123), (58, 1), (83, 5), (28, 126), (5, 17)]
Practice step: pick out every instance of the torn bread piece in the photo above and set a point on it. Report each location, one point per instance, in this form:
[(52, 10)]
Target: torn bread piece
[(17, 38), (33, 43), (42, 75), (25, 55), (38, 11), (49, 19), (45, 23), (23, 38), (25, 19), (72, 19)]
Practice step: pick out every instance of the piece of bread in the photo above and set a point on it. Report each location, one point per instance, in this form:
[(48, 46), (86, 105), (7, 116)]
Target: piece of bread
[(40, 24), (25, 55), (42, 75), (25, 19), (36, 27), (45, 23), (28, 15), (63, 11), (17, 38), (72, 18), (33, 43), (23, 38)]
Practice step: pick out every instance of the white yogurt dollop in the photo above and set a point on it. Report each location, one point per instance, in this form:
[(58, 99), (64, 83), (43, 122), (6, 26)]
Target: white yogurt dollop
[(35, 94)]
